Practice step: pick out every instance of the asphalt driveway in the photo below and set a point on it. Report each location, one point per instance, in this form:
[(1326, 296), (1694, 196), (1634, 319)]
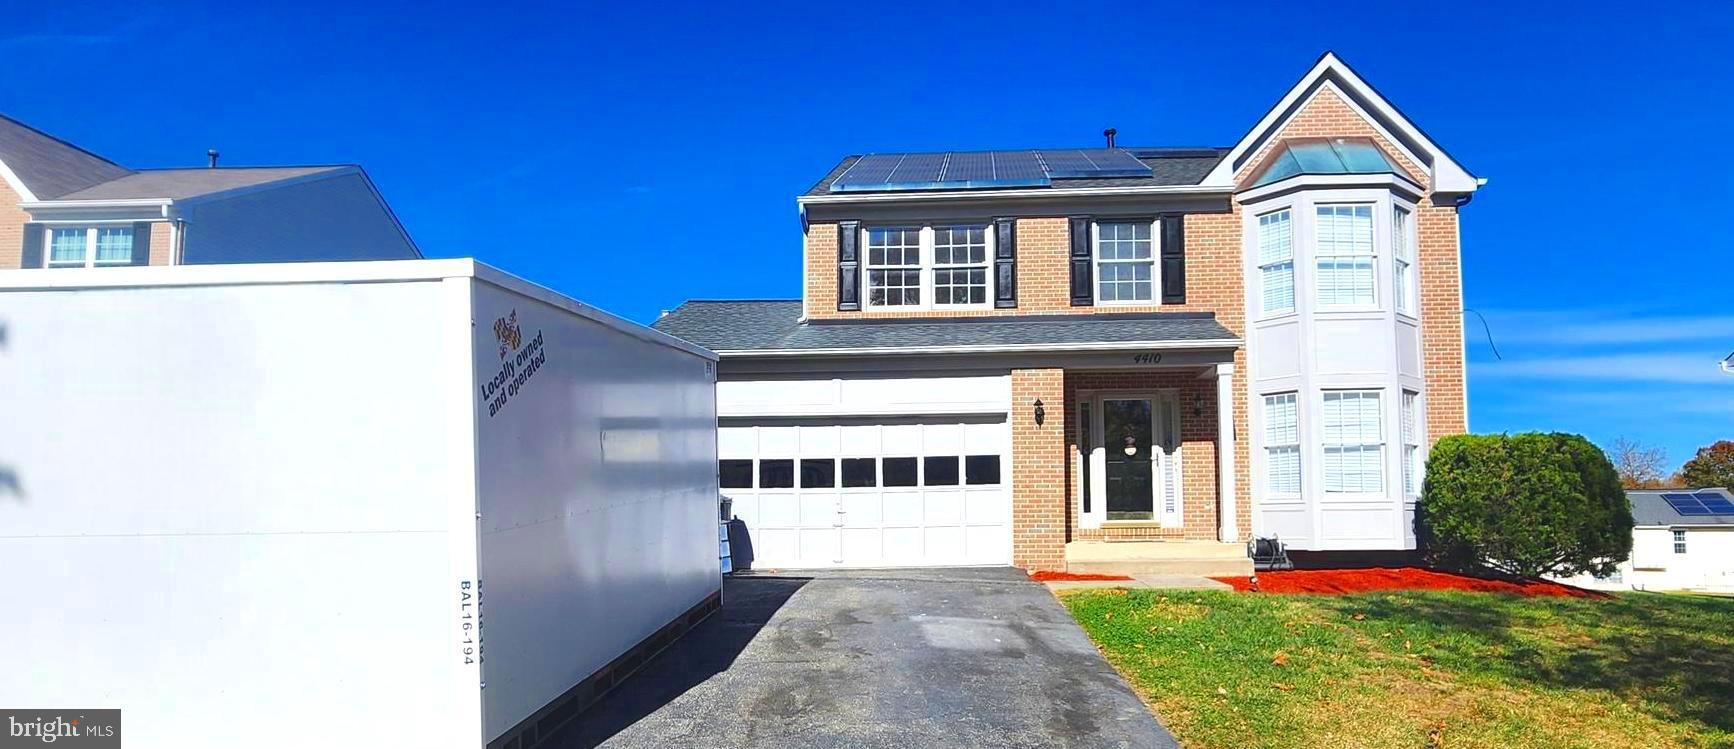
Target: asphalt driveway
[(892, 658)]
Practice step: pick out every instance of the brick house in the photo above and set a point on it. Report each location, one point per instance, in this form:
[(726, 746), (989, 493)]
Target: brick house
[(64, 207), (1016, 357)]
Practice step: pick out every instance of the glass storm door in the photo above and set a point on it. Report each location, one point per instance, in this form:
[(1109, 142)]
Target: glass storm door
[(1129, 470), (1130, 462)]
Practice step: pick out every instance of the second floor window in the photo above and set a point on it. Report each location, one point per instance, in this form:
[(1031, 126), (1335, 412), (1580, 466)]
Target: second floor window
[(1402, 261), (1343, 248), (1125, 262), (894, 267), (960, 265), (916, 267), (1276, 262), (87, 246)]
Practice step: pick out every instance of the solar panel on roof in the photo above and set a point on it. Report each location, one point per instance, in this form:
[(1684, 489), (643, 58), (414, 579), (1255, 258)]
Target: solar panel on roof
[(970, 166), (1716, 502), (1096, 162), (870, 169), (918, 168), (1018, 165), (1686, 504)]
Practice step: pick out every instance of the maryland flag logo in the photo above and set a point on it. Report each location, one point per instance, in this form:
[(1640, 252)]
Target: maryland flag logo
[(507, 332)]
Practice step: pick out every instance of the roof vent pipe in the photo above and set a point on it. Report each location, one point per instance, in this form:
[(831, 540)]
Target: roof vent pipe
[(212, 154), (1110, 132)]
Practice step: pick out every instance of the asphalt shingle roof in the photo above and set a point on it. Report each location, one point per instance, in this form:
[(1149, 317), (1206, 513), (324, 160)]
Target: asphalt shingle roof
[(761, 325), (48, 166), (176, 184), (1648, 508), (1168, 166)]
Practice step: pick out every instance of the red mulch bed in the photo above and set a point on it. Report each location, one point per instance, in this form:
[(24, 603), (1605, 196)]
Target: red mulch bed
[(1050, 576), (1399, 578)]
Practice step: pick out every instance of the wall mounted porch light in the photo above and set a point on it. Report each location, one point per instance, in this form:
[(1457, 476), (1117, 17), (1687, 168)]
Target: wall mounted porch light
[(1041, 413), (1197, 405)]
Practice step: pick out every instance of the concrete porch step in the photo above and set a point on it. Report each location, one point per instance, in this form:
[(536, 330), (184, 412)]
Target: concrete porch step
[(1136, 558)]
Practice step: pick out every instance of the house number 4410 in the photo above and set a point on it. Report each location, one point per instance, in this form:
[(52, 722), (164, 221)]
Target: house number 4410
[(1147, 358)]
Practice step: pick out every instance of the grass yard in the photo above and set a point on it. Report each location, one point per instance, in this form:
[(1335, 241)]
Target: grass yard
[(1423, 668)]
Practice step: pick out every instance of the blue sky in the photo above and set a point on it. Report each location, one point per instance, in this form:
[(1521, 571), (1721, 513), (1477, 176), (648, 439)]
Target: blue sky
[(638, 154)]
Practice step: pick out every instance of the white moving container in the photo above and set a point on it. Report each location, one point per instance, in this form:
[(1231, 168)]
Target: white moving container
[(258, 505)]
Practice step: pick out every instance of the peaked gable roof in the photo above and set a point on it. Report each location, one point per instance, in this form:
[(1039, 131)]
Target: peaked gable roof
[(47, 167), (189, 182), (1330, 72)]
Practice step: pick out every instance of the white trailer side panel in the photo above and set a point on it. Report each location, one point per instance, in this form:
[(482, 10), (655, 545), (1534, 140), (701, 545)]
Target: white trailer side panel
[(225, 509), (597, 476)]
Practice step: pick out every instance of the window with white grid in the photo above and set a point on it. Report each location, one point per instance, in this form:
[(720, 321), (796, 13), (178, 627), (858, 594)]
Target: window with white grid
[(960, 263), (1402, 261), (88, 246), (1281, 446), (1411, 445), (1354, 445), (1125, 262), (1343, 248), (893, 267), (1276, 261)]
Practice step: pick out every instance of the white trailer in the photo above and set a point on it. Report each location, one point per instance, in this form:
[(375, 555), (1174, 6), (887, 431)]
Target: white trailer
[(411, 503)]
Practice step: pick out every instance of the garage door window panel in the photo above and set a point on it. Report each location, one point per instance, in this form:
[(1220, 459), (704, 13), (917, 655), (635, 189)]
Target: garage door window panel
[(981, 470), (777, 474), (900, 472), (818, 473), (860, 473), (940, 471), (735, 474)]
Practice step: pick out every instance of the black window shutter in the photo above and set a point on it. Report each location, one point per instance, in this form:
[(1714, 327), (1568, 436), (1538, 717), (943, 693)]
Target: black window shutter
[(141, 243), (32, 246), (848, 266), (1174, 259), (1005, 263), (1082, 293)]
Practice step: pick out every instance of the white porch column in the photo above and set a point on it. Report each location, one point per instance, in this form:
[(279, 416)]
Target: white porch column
[(1227, 526)]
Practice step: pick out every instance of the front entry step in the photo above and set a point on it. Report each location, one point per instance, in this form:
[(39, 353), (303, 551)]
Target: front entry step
[(1135, 558)]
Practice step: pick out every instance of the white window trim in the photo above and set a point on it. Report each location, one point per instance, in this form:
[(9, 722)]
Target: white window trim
[(1096, 265), (90, 233), (1381, 227), (926, 267), (1324, 445), (1294, 276)]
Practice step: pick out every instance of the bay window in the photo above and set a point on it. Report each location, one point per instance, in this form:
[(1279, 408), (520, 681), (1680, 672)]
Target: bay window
[(89, 246), (1411, 445), (1276, 262), (1402, 261), (1125, 262), (1353, 443), (929, 267), (1343, 250), (1282, 463)]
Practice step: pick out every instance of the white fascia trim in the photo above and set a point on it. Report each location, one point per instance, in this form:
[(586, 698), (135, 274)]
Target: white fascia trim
[(115, 203), (918, 196), (1395, 182), (17, 185), (1010, 348), (1448, 175)]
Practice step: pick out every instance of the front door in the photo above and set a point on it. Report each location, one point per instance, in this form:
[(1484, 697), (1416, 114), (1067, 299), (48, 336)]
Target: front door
[(1130, 463), (1128, 439)]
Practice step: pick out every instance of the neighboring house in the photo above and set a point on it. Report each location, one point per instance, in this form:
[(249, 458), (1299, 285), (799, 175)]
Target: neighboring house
[(1682, 539), (1015, 356), (62, 206)]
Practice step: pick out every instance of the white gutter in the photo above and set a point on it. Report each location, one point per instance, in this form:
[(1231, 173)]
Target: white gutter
[(1007, 348), (1049, 192)]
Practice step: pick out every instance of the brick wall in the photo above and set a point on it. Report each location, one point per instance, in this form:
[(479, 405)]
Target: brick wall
[(12, 220), (160, 248), (1038, 473)]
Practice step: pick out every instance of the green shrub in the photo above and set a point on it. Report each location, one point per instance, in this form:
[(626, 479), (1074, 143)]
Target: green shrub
[(1525, 504)]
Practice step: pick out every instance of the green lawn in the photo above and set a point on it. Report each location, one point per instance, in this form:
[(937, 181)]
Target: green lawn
[(1423, 669)]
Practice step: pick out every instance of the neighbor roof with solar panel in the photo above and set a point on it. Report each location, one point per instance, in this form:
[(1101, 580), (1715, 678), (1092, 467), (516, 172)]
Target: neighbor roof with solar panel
[(1038, 167), (1682, 507)]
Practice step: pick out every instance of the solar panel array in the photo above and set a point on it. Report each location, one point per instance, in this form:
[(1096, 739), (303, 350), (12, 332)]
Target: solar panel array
[(979, 169), (1706, 502)]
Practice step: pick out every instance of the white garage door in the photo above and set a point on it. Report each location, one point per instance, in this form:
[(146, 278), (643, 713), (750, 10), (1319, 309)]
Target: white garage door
[(903, 493)]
